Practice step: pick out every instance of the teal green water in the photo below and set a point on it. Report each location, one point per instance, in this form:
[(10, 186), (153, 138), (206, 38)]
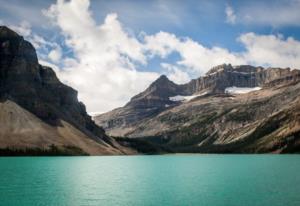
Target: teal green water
[(208, 180)]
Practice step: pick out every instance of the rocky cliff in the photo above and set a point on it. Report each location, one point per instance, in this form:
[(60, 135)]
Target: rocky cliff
[(220, 77), (38, 111), (211, 120)]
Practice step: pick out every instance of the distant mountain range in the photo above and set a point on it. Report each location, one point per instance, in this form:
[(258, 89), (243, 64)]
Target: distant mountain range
[(232, 109), (40, 115)]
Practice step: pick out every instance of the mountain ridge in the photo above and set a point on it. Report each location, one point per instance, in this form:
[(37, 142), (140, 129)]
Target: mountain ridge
[(177, 124)]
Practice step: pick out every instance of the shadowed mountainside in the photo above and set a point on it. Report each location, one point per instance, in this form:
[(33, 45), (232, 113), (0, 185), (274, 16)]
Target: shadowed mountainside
[(38, 112)]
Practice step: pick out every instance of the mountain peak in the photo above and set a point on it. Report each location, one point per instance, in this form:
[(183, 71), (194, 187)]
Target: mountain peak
[(219, 68), (157, 94), (34, 96), (6, 32), (162, 78), (162, 81), (12, 44)]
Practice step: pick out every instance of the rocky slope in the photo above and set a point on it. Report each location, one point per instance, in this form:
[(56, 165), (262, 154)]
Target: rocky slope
[(267, 120), (38, 112)]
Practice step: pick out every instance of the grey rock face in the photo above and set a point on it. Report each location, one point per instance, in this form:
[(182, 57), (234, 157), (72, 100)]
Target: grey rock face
[(37, 89), (146, 104), (157, 94), (155, 99), (220, 77)]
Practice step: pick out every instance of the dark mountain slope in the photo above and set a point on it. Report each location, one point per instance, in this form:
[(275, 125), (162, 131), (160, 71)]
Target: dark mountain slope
[(37, 110)]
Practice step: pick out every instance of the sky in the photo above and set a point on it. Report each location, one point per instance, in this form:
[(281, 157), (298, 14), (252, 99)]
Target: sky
[(111, 50)]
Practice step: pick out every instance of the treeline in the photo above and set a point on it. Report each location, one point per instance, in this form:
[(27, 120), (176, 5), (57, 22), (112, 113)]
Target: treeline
[(52, 150), (143, 146)]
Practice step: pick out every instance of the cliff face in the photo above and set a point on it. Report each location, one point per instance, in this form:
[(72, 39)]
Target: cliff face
[(212, 120), (156, 98), (35, 88), (223, 76)]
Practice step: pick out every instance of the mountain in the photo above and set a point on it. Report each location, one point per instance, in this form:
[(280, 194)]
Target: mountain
[(230, 109), (39, 114)]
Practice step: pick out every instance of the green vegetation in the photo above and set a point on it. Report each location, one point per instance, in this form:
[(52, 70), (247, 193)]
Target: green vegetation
[(52, 150), (142, 146)]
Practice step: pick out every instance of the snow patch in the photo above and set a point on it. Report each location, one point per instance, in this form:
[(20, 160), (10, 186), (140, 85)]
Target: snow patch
[(236, 72), (213, 73), (241, 90), (179, 98)]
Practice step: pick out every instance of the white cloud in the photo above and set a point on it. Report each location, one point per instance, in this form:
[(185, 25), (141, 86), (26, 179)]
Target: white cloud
[(266, 50), (84, 35), (103, 70), (106, 57), (24, 28), (230, 15), (39, 42), (55, 54), (271, 50), (194, 56), (161, 44), (176, 74)]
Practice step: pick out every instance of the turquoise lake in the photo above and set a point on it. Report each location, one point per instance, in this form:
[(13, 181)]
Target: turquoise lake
[(208, 180)]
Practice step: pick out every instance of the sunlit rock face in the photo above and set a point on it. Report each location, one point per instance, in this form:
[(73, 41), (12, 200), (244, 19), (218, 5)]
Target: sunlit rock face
[(220, 77), (159, 95), (230, 109)]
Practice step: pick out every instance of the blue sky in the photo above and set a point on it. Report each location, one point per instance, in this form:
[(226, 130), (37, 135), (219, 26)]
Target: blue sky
[(203, 21), (111, 50)]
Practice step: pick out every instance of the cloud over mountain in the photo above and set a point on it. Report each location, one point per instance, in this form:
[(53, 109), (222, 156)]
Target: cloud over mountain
[(108, 62)]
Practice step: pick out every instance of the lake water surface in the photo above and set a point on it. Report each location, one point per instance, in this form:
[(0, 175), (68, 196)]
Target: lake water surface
[(208, 180)]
